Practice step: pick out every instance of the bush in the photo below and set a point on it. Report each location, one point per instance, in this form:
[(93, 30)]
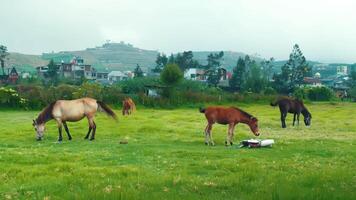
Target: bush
[(137, 85), (301, 93), (320, 94), (10, 98), (93, 90), (171, 74)]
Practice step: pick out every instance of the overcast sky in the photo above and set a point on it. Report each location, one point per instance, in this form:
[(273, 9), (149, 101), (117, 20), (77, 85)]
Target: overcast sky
[(324, 29)]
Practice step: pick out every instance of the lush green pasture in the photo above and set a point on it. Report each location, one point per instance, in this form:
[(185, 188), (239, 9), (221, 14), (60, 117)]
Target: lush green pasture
[(166, 158)]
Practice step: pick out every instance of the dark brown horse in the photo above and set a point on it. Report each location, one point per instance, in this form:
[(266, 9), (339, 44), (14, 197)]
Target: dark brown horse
[(288, 105), (231, 116)]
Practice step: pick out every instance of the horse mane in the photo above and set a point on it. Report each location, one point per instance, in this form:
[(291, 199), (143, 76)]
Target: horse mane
[(46, 114), (243, 112)]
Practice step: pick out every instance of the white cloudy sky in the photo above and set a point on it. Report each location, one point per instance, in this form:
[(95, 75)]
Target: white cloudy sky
[(325, 29)]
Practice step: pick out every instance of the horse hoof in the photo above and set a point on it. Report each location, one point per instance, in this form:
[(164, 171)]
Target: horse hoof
[(69, 138), (212, 144), (85, 138), (91, 139), (206, 143), (231, 143)]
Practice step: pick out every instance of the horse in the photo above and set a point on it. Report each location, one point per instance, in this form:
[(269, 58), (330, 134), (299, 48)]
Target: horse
[(128, 106), (288, 105), (227, 115), (63, 111)]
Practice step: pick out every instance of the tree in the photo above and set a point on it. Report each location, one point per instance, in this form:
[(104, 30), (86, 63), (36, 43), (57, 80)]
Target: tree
[(138, 71), (293, 72), (3, 55), (185, 60), (161, 62), (52, 72), (255, 81), (171, 75), (267, 68), (213, 68), (238, 76)]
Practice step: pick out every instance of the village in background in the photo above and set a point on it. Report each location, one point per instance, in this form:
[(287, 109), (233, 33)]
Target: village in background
[(76, 68)]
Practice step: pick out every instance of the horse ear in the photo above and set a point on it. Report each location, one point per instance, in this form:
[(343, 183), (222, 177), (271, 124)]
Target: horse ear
[(254, 119)]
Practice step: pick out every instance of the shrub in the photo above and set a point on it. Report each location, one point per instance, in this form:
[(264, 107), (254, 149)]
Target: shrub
[(10, 98), (171, 74), (92, 90), (301, 93), (320, 94)]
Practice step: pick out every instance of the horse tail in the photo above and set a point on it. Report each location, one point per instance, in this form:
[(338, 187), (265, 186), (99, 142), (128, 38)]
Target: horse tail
[(202, 110), (106, 109)]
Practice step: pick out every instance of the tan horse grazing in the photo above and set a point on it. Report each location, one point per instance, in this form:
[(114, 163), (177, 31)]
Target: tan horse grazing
[(231, 116), (128, 106), (71, 111)]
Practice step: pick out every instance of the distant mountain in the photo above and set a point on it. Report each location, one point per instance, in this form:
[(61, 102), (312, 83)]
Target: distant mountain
[(114, 56), (24, 62)]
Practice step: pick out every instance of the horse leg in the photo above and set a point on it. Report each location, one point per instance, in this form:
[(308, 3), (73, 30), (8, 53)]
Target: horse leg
[(94, 130), (90, 121), (87, 136), (210, 126), (298, 118), (206, 135), (228, 137), (294, 118), (59, 124), (67, 130), (232, 134), (283, 120)]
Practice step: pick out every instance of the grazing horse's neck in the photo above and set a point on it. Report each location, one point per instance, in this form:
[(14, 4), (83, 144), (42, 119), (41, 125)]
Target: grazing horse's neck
[(46, 114), (305, 112)]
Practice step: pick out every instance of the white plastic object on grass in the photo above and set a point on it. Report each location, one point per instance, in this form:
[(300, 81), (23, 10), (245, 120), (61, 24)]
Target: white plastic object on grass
[(266, 143)]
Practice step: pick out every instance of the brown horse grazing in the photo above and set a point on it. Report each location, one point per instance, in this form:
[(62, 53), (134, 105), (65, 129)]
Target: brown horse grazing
[(288, 105), (128, 106), (71, 111), (231, 116)]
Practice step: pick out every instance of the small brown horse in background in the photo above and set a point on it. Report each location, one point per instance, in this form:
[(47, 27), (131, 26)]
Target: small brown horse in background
[(128, 106), (288, 105), (71, 111), (231, 116)]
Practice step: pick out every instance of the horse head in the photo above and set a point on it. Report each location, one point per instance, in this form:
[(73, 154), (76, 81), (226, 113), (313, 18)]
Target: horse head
[(307, 117), (39, 128), (253, 123)]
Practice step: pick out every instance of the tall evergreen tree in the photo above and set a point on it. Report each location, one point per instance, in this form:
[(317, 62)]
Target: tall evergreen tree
[(3, 55), (52, 72), (138, 71), (161, 62), (213, 68), (293, 72), (238, 76)]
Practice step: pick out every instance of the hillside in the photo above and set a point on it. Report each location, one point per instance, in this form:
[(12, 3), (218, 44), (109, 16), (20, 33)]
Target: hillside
[(25, 62), (114, 56)]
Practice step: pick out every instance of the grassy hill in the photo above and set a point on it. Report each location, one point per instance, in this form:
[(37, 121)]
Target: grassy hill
[(24, 62), (114, 56)]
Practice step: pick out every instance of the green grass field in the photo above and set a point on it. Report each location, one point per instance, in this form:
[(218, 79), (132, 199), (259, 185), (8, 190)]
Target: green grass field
[(166, 157)]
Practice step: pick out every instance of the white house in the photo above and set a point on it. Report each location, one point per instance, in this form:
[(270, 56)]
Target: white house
[(115, 76), (194, 74)]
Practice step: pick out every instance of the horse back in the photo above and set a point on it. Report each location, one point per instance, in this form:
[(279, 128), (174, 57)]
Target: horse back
[(221, 115), (74, 110)]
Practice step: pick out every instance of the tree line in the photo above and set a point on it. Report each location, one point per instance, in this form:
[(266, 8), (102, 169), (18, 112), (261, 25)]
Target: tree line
[(248, 75)]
